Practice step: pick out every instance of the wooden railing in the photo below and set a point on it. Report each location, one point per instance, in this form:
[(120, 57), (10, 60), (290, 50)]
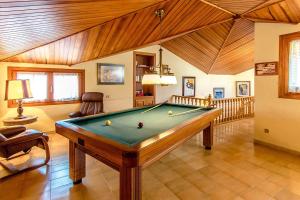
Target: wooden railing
[(232, 108), (191, 100)]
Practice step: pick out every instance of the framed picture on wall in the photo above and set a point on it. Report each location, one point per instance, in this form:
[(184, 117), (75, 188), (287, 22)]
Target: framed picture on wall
[(243, 88), (266, 69), (219, 93), (110, 74), (188, 86)]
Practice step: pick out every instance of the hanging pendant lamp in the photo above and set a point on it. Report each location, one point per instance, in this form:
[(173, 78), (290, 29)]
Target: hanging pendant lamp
[(164, 77)]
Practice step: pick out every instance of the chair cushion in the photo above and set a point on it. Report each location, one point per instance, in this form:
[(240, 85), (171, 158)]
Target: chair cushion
[(92, 103), (12, 131), (2, 138), (91, 108), (22, 141), (92, 96), (75, 114)]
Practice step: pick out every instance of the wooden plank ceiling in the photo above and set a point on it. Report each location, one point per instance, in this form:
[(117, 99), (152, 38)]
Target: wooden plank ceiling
[(237, 53), (201, 47), (287, 11), (73, 31), (226, 48), (237, 6), (26, 24), (128, 32)]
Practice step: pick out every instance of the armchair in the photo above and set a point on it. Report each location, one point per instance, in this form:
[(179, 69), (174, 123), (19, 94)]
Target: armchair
[(92, 103), (17, 139)]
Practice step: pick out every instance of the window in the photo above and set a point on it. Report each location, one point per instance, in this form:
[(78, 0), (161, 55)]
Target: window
[(289, 66), (49, 85), (38, 84)]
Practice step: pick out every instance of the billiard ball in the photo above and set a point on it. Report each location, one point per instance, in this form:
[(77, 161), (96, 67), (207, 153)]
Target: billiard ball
[(140, 125), (108, 123), (170, 112)]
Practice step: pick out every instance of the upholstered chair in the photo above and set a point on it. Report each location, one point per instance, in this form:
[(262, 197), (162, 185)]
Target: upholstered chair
[(16, 139), (92, 103)]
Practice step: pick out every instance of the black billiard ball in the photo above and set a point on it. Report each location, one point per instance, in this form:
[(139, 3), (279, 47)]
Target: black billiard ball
[(140, 125)]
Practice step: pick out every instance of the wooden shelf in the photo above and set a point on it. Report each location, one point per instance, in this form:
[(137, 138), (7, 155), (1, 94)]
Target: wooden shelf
[(144, 66), (142, 62)]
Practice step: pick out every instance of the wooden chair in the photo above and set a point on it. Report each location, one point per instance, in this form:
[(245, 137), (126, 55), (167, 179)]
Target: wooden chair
[(16, 139)]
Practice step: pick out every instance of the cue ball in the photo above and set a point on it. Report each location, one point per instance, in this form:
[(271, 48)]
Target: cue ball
[(140, 125), (170, 112), (108, 123)]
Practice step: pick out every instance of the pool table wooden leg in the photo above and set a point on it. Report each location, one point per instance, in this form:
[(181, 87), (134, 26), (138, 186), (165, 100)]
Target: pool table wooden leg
[(77, 163), (208, 136), (130, 183)]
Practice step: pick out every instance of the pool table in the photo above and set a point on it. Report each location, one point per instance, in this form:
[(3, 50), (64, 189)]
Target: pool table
[(127, 148)]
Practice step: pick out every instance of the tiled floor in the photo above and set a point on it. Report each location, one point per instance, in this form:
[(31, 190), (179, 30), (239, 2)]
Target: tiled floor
[(235, 169)]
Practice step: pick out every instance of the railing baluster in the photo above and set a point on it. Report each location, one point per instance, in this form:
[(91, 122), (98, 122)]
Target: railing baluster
[(232, 108)]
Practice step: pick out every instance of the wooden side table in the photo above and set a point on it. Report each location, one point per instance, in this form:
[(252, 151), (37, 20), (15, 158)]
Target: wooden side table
[(27, 120)]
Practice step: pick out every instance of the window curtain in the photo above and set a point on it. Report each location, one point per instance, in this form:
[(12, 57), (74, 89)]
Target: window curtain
[(294, 67), (65, 86), (38, 84)]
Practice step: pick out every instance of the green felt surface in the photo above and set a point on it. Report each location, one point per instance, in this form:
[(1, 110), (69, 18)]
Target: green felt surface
[(124, 124)]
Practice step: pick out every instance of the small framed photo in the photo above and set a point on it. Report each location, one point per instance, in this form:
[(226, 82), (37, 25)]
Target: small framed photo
[(266, 69), (188, 86), (243, 88), (219, 93), (110, 74)]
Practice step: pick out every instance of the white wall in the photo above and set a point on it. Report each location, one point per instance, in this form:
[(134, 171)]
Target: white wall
[(116, 97), (119, 97), (280, 116), (204, 83)]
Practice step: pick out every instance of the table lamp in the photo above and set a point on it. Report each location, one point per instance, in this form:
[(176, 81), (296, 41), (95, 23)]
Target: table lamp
[(18, 90)]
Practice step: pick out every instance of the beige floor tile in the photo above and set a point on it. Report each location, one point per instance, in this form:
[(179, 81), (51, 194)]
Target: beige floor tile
[(192, 193), (287, 195), (255, 194)]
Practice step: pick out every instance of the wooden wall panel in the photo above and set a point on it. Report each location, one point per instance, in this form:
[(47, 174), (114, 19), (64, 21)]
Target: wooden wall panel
[(287, 11), (27, 24), (128, 32)]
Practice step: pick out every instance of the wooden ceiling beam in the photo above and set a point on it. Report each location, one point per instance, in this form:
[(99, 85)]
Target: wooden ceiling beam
[(263, 5), (223, 9), (261, 20), (193, 30)]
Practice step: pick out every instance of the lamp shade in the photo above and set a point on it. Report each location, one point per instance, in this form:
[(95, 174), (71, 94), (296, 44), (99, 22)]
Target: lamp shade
[(17, 89), (151, 79), (168, 80)]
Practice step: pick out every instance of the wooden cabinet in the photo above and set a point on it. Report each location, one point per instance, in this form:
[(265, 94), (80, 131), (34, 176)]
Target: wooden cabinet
[(144, 101), (143, 95)]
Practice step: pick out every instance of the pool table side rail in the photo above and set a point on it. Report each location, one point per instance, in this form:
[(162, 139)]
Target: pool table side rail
[(106, 150), (158, 146)]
